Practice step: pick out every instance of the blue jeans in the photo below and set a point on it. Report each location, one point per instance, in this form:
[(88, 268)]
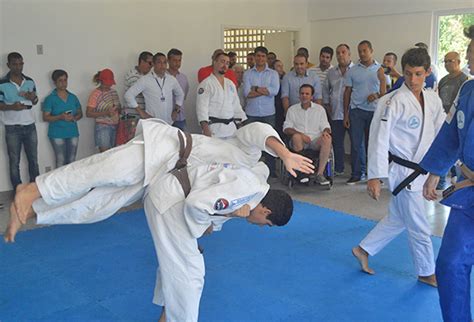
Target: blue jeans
[(338, 135), (270, 119), (105, 135), (17, 136), (360, 125), (65, 150)]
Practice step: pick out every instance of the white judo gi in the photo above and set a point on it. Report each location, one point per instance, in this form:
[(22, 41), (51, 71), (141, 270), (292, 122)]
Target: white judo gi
[(216, 101), (402, 127), (94, 188), (216, 189)]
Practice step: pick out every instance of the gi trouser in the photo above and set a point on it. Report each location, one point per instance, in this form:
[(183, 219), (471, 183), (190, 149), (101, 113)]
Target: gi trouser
[(406, 211), (180, 275), (115, 177), (453, 266)]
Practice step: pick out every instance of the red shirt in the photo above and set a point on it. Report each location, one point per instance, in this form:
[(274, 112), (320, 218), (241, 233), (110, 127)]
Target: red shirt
[(204, 73)]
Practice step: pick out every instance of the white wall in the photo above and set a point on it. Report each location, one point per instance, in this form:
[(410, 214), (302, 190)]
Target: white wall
[(85, 36)]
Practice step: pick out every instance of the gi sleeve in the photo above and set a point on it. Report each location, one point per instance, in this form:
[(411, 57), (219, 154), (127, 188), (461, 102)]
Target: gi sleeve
[(379, 138), (446, 148), (232, 189), (255, 135), (133, 91), (203, 99)]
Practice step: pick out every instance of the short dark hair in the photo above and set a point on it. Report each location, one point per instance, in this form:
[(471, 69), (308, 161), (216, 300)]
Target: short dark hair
[(416, 57), (395, 57), (344, 45), (307, 86), (231, 54), (304, 50), (272, 53), (469, 32), (301, 55), (174, 52), (58, 73), (219, 55), (156, 56), (251, 53), (327, 50), (13, 55), (365, 42), (143, 56), (261, 49), (281, 205)]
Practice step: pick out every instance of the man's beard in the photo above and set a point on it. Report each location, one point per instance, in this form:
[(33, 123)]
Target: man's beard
[(222, 72)]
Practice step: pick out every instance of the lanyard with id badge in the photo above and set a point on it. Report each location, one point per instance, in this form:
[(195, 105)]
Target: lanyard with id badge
[(162, 97)]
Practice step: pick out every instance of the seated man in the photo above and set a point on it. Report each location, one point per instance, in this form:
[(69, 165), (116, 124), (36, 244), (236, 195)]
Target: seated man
[(182, 212), (308, 128)]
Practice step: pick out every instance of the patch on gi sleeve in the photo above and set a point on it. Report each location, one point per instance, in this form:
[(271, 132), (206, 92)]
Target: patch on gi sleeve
[(221, 204), (200, 90), (461, 120)]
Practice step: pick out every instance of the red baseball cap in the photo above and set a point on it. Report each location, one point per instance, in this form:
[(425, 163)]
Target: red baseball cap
[(106, 76)]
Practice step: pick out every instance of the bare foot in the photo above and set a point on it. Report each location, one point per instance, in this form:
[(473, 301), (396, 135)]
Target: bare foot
[(25, 195), (162, 316), (363, 258), (430, 280), (13, 226)]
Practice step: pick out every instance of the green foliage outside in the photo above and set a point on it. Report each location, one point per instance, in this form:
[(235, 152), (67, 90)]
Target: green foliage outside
[(451, 36)]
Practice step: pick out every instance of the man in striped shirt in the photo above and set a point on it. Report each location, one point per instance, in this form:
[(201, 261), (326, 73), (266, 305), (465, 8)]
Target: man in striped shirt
[(325, 58), (145, 63)]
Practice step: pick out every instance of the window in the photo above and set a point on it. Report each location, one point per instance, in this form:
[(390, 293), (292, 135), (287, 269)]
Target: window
[(450, 37), (243, 41)]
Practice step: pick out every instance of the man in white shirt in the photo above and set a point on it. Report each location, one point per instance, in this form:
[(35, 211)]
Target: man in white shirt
[(217, 102), (163, 94), (308, 127), (145, 64)]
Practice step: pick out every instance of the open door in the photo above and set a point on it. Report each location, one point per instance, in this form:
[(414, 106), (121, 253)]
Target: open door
[(283, 45)]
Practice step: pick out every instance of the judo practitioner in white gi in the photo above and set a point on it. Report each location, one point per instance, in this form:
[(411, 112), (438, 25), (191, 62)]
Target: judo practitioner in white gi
[(405, 124), (225, 178), (217, 104)]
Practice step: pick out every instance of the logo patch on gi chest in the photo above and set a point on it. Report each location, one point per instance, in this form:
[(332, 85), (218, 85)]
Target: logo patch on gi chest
[(461, 119), (200, 90), (414, 122), (221, 204)]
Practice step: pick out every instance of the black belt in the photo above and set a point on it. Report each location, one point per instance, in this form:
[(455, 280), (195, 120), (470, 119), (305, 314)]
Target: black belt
[(408, 164), (214, 120), (180, 170)]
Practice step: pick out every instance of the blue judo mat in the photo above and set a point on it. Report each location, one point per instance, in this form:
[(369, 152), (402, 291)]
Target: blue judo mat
[(302, 272)]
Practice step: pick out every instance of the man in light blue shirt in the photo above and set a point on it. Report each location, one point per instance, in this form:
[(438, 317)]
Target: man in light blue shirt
[(261, 85), (365, 84), (333, 97), (17, 98), (292, 82)]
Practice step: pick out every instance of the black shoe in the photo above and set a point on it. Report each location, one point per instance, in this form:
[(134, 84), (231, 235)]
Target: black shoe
[(353, 180)]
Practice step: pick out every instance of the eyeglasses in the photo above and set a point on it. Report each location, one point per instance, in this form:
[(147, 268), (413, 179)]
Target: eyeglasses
[(450, 61)]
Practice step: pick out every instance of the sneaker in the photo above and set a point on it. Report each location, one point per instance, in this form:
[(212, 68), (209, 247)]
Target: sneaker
[(304, 180), (321, 180), (353, 180), (363, 177)]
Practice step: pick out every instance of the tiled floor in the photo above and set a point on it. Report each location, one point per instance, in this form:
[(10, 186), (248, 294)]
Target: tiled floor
[(349, 199)]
